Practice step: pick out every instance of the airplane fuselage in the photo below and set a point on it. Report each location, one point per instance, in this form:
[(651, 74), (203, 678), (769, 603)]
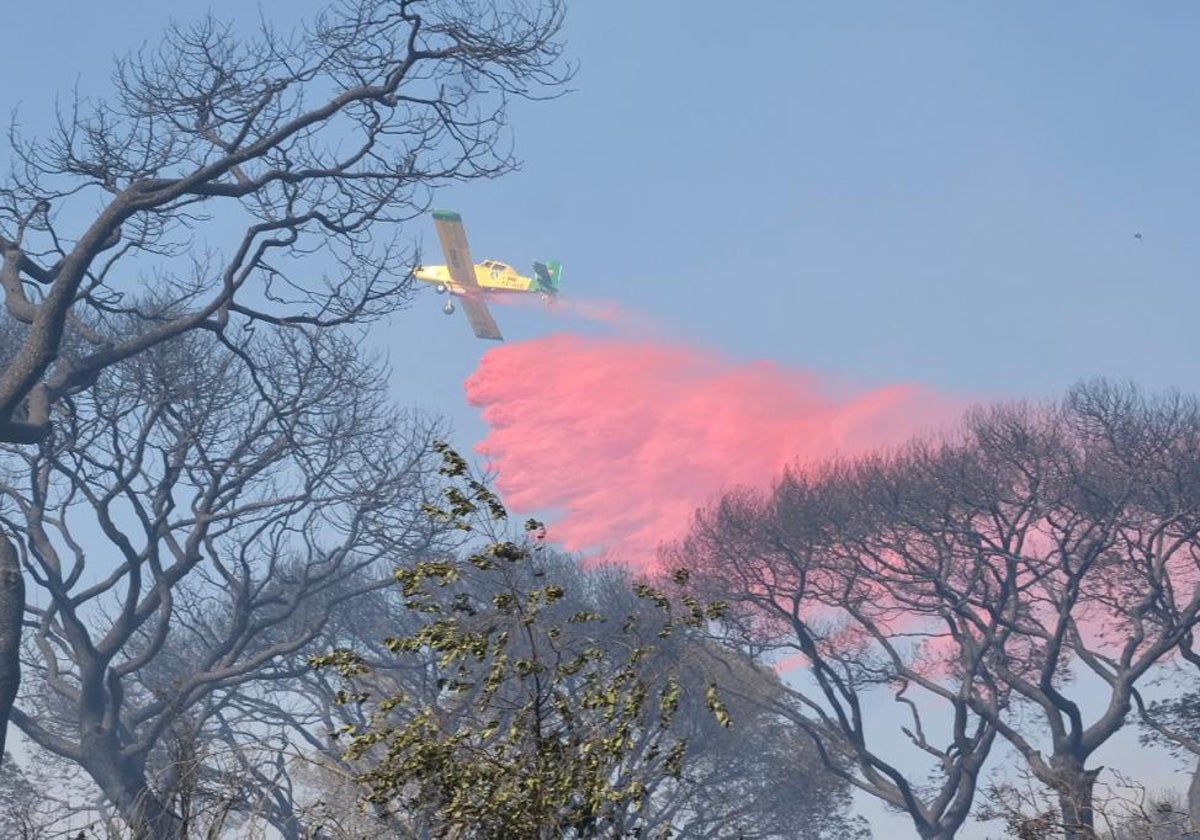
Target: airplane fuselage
[(473, 283), (489, 274)]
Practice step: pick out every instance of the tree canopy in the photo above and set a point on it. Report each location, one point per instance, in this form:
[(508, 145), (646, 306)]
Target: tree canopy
[(1019, 578)]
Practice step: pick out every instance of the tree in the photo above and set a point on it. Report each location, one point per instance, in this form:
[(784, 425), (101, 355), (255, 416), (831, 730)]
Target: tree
[(315, 144), (551, 718), (1175, 723), (751, 777), (1161, 817), (1038, 546), (315, 147), (12, 602), (757, 778), (1125, 810), (1095, 577), (18, 801), (39, 798), (191, 525), (794, 595)]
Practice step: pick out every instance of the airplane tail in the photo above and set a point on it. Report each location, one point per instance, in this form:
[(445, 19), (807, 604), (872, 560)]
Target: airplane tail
[(548, 275)]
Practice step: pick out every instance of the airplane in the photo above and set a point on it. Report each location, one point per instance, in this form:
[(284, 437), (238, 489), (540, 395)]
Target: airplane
[(473, 282)]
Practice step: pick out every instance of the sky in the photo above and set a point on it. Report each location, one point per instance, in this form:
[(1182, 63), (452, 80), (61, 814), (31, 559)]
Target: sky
[(936, 192), (935, 197)]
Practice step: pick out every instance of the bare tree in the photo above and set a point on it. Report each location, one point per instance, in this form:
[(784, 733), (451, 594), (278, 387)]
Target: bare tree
[(799, 593), (257, 749), (248, 181), (191, 526), (316, 144), (18, 803), (12, 583), (760, 777), (1174, 722), (1124, 809), (1040, 545), (1090, 544)]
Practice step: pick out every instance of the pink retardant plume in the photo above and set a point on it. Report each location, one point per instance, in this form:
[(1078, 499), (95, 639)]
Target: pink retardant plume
[(621, 440)]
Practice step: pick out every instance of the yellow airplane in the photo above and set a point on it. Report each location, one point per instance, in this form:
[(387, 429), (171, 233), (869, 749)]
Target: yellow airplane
[(471, 282)]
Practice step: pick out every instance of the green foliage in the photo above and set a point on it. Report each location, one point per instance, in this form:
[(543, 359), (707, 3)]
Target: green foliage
[(551, 721)]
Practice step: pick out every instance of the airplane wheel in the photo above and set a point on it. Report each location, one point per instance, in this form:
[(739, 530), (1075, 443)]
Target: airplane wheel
[(449, 307), (440, 288)]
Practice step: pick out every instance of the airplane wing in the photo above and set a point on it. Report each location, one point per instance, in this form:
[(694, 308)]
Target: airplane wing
[(480, 317), (454, 246), (462, 271)]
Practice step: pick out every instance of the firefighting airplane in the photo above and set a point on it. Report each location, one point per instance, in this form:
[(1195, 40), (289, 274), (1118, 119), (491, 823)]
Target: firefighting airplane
[(471, 282)]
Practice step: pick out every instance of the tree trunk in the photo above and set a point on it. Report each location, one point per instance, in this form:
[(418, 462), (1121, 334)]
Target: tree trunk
[(12, 607), (145, 814), (1193, 803), (940, 833), (149, 819), (1076, 788)]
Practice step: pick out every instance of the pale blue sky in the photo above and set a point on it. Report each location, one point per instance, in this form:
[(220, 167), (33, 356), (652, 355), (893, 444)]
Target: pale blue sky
[(938, 192)]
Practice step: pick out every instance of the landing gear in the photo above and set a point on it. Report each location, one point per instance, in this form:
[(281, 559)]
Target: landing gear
[(440, 288), (449, 307)]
